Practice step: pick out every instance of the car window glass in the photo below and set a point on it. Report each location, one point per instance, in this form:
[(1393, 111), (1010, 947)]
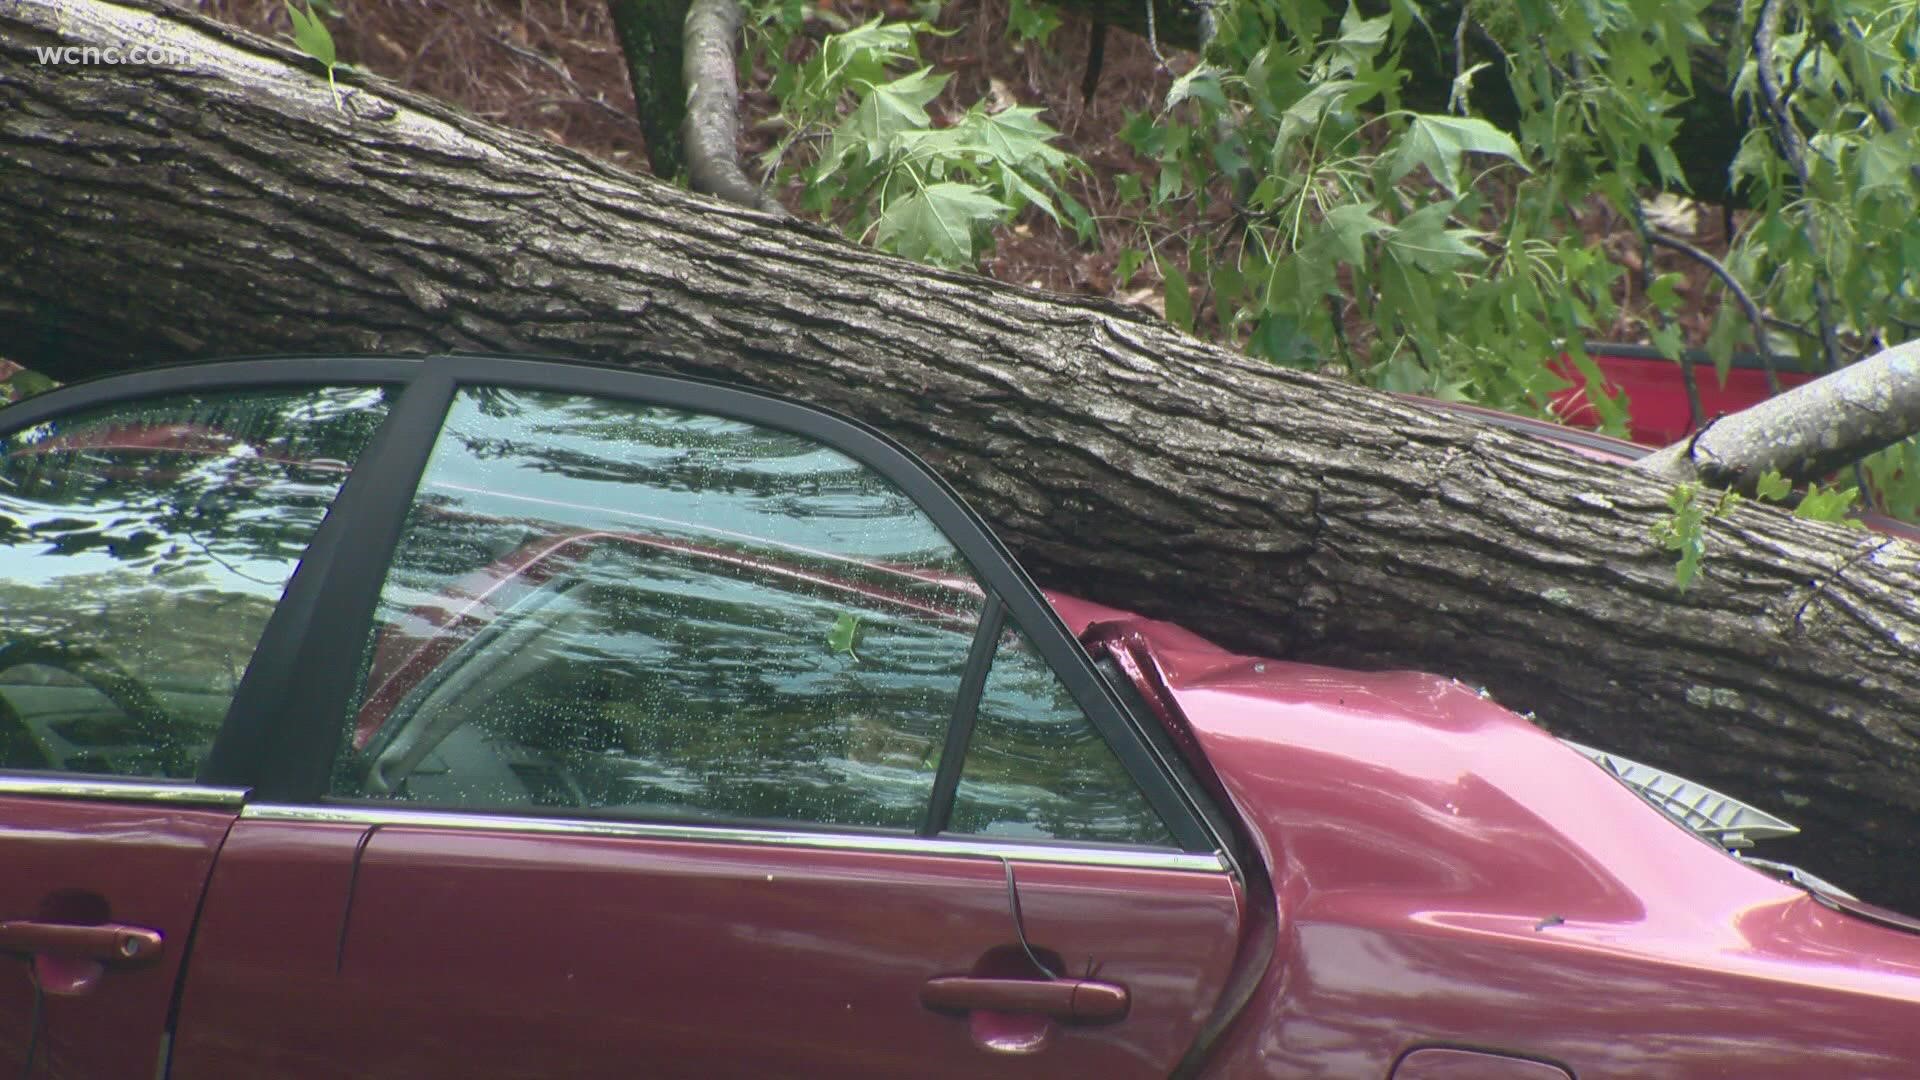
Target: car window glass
[(1037, 769), (142, 548), (609, 608)]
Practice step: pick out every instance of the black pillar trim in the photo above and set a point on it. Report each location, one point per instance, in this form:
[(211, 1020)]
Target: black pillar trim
[(286, 720), (966, 708)]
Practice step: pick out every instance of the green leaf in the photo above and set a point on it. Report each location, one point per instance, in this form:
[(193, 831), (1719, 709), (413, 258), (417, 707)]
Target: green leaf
[(1349, 225), (886, 110), (936, 223), (1016, 189), (1202, 83), (1032, 20), (1666, 338), (1664, 294), (1772, 486), (1179, 300), (1723, 336), (1280, 339), (1424, 241), (1173, 181), (1610, 407), (844, 635), (1438, 142), (863, 53), (1463, 86), (1084, 227), (1404, 375), (1828, 504), (1884, 161), (1359, 31), (1683, 532), (1306, 114), (1359, 42), (311, 35), (1016, 136)]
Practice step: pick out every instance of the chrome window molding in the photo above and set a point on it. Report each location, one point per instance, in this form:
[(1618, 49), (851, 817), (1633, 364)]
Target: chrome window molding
[(902, 844), (108, 789)]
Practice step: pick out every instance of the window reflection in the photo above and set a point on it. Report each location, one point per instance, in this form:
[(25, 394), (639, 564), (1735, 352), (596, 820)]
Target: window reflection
[(662, 614), (142, 549), (1036, 768)]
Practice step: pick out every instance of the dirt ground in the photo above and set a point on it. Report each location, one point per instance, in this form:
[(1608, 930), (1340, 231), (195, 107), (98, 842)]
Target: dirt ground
[(552, 67)]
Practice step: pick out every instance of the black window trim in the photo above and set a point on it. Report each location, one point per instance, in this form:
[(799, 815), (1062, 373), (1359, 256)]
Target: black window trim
[(283, 729), (151, 382)]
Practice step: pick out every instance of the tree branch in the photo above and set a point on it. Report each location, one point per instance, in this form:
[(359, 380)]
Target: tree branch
[(711, 134), (1758, 321), (1807, 432), (1696, 414)]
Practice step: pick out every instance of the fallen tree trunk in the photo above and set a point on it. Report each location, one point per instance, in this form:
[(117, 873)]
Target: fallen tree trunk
[(227, 205)]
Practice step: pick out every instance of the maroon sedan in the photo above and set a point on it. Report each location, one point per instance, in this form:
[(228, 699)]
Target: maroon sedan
[(478, 717)]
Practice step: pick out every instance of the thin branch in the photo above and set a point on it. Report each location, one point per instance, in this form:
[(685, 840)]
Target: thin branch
[(1793, 147), (1455, 97), (1809, 431), (1153, 39), (561, 72), (1792, 328), (1340, 335), (1740, 296), (1096, 59), (1696, 412)]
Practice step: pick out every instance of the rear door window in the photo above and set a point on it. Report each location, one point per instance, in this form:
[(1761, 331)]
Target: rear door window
[(143, 547)]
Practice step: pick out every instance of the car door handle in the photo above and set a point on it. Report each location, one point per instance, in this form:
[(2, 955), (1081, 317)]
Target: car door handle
[(107, 943), (1062, 999)]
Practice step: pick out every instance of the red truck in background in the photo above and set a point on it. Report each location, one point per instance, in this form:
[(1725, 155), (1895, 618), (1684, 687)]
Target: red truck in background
[(1657, 410)]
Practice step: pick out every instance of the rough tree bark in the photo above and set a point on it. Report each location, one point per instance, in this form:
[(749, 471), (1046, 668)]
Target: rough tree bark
[(227, 206)]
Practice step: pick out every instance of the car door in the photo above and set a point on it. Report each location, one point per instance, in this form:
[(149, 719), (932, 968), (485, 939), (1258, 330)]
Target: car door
[(670, 729), (147, 526)]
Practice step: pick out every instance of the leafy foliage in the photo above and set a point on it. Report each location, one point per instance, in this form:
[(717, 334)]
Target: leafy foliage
[(1829, 504), (1432, 253), (885, 167), (1685, 532), (1301, 211)]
